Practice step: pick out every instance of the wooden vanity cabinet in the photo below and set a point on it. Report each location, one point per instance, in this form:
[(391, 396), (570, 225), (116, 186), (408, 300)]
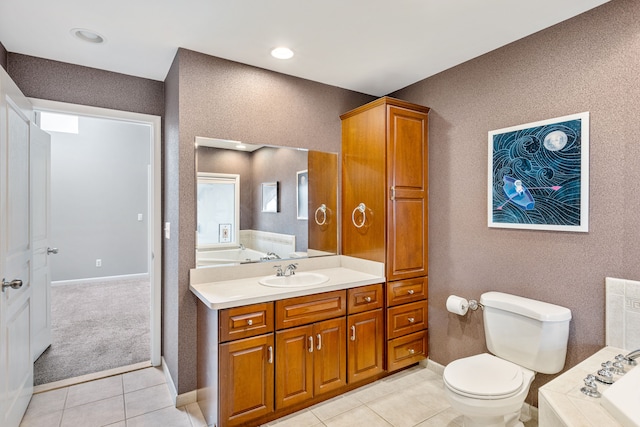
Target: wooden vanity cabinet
[(246, 379), (310, 359), (262, 361), (365, 327), (385, 201)]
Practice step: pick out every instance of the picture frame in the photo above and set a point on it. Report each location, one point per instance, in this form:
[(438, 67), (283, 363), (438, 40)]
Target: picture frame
[(270, 196), (302, 194), (538, 175)]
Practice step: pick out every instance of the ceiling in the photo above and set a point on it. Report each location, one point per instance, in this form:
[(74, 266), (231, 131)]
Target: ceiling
[(370, 46)]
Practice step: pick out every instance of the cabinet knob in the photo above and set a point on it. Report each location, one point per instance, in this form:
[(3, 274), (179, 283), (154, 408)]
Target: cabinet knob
[(249, 322), (411, 351), (367, 299), (411, 319), (411, 291)]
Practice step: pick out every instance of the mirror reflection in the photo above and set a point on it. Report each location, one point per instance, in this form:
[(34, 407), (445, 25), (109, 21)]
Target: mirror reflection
[(262, 203)]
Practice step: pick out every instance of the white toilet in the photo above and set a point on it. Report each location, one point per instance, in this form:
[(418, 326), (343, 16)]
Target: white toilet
[(526, 336)]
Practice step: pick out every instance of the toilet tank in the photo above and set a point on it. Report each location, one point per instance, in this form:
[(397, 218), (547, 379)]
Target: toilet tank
[(527, 332)]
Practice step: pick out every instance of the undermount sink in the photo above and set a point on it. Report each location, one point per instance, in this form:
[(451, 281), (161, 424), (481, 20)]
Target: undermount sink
[(298, 279), (622, 397)]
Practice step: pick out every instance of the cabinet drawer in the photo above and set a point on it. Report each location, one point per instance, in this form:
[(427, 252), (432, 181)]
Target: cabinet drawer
[(246, 321), (406, 350), (364, 298), (403, 291), (311, 308), (407, 318)]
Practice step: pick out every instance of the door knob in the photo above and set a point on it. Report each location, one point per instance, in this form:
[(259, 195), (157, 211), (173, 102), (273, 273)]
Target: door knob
[(14, 284), (52, 251)]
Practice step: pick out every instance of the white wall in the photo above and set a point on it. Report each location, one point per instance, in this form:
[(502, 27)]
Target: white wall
[(98, 188)]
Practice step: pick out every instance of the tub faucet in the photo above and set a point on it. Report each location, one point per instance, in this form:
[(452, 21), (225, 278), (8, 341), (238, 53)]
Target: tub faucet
[(272, 255), (242, 248), (630, 359)]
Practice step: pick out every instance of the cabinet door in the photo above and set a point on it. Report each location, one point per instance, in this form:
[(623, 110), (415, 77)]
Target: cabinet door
[(407, 179), (330, 355), (246, 379), (294, 366), (366, 345)]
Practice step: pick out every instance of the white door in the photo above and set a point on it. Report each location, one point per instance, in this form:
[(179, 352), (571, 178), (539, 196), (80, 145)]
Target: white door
[(16, 363), (40, 143)]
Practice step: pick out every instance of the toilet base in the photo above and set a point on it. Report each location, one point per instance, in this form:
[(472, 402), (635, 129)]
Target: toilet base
[(511, 420)]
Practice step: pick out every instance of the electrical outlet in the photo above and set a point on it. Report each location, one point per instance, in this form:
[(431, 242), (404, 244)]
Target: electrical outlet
[(98, 263)]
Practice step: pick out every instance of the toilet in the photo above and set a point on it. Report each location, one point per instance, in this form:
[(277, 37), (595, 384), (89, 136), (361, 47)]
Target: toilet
[(524, 336)]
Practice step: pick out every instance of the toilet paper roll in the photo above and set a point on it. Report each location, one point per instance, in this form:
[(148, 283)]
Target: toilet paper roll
[(457, 305)]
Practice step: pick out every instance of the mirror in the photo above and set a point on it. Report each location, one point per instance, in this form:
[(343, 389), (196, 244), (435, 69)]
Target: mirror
[(285, 204)]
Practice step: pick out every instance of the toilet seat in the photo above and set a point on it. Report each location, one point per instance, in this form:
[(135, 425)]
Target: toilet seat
[(484, 376)]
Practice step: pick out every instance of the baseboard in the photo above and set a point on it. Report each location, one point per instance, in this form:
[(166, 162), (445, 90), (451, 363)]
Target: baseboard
[(433, 366), (178, 399), (137, 276)]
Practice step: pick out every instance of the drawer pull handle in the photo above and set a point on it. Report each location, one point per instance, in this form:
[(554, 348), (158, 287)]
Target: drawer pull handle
[(249, 322), (411, 291), (367, 299), (411, 351), (319, 337), (311, 344), (353, 333), (270, 351), (411, 319)]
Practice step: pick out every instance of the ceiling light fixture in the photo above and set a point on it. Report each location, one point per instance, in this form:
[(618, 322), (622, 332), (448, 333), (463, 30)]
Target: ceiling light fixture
[(88, 36), (282, 53)]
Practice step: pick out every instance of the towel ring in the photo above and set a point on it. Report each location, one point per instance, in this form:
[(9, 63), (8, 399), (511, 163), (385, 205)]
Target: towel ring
[(362, 208), (323, 210)]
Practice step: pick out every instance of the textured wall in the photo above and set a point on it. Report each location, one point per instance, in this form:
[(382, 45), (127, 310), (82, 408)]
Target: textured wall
[(224, 99), (59, 81), (589, 63), (3, 56)]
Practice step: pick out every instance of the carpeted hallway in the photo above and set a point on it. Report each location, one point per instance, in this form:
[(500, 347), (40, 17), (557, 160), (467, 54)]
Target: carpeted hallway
[(96, 326)]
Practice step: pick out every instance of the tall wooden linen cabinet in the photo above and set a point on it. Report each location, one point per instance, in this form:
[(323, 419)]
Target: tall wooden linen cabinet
[(385, 213)]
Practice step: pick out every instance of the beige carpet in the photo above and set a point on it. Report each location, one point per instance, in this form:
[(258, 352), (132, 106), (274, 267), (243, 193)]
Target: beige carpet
[(96, 326)]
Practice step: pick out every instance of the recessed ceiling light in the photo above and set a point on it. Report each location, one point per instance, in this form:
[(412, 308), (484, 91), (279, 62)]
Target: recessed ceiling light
[(88, 36), (282, 53)]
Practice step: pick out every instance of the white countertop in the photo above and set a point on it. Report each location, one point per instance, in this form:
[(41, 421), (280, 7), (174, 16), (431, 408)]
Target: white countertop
[(561, 403), (343, 273)]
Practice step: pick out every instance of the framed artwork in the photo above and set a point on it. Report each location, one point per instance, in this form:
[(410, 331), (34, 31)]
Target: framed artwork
[(225, 233), (302, 194), (270, 196), (539, 175)]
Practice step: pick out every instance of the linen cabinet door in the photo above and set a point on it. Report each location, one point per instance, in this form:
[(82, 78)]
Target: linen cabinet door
[(330, 355), (366, 345), (294, 366), (407, 178), (246, 379)]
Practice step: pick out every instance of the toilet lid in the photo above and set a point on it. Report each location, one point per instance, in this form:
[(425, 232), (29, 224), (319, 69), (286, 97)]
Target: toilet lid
[(484, 377)]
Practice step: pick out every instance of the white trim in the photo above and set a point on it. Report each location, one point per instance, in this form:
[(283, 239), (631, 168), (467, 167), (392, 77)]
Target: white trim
[(178, 399), (121, 278), (155, 216)]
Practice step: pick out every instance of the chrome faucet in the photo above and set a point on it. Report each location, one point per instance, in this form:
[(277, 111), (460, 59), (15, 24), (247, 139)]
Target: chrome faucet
[(291, 269), (272, 255), (279, 271), (630, 359), (242, 248)]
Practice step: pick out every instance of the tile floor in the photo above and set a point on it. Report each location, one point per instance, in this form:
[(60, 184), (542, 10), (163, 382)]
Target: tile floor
[(412, 398)]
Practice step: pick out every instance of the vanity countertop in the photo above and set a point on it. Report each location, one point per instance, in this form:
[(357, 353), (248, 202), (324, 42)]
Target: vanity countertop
[(226, 291), (561, 403)]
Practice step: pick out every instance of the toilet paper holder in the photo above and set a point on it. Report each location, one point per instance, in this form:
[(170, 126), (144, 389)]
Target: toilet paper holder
[(474, 305)]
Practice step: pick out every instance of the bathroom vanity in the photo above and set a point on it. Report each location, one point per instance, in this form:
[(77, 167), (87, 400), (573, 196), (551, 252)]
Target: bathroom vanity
[(268, 350)]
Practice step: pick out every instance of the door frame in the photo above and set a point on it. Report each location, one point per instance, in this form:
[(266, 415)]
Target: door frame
[(155, 202)]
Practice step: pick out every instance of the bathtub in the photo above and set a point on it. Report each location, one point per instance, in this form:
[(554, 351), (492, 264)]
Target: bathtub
[(227, 256)]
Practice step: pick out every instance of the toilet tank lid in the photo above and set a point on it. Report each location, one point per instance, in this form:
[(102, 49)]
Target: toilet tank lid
[(534, 309)]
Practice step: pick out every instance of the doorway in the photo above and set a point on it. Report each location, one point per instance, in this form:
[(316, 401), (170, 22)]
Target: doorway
[(93, 263)]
